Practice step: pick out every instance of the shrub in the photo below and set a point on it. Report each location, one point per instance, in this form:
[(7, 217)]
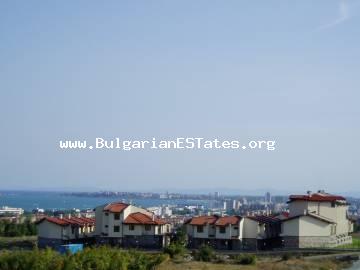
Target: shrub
[(103, 258), (245, 259), (175, 249), (287, 256), (205, 253)]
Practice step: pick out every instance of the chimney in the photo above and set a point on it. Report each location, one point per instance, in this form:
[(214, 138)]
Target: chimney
[(309, 192), (61, 216), (153, 217)]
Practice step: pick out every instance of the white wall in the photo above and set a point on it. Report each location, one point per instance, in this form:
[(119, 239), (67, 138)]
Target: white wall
[(306, 226), (250, 228), (47, 229)]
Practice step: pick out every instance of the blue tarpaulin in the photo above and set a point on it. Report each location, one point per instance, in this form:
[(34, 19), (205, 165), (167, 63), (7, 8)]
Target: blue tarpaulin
[(72, 248)]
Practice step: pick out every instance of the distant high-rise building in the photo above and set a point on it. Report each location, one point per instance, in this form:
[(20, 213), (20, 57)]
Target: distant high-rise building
[(268, 197), (217, 194)]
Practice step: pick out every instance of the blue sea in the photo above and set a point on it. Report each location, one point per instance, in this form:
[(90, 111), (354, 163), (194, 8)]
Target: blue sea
[(59, 201)]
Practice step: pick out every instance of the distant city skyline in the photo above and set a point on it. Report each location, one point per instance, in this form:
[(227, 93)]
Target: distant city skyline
[(283, 71)]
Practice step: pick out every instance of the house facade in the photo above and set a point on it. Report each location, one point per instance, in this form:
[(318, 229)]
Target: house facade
[(233, 232), (56, 231), (130, 226), (316, 220)]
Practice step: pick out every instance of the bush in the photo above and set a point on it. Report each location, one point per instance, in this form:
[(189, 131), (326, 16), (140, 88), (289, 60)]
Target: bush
[(287, 256), (205, 254), (103, 258), (175, 249), (245, 259), (11, 229)]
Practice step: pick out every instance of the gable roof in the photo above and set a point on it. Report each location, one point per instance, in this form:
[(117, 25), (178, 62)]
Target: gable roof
[(317, 197), (75, 221), (140, 218), (228, 220), (203, 220), (115, 207)]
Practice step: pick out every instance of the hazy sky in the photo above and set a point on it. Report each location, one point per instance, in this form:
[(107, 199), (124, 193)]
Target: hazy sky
[(283, 70)]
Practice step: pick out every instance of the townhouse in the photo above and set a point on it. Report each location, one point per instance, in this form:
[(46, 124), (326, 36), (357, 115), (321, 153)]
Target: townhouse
[(56, 231), (233, 232), (130, 226), (316, 220)]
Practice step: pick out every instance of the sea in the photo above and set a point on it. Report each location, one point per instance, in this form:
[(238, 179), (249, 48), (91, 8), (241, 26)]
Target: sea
[(29, 200)]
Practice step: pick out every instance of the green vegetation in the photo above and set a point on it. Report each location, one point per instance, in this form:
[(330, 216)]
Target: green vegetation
[(175, 249), (245, 259), (287, 256), (205, 253), (19, 242), (355, 243), (11, 229), (102, 258), (177, 246)]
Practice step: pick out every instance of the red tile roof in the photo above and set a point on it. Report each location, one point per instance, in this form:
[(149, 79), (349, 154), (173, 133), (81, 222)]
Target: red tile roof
[(140, 218), (317, 197), (77, 221), (203, 220), (115, 207), (224, 221)]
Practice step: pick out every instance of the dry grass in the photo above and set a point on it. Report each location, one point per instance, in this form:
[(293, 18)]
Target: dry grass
[(293, 264)]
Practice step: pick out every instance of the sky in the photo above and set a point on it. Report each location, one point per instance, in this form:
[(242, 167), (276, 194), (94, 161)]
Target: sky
[(288, 71)]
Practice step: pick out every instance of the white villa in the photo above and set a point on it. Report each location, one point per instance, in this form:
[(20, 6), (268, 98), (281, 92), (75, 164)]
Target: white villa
[(55, 231), (130, 226), (316, 220)]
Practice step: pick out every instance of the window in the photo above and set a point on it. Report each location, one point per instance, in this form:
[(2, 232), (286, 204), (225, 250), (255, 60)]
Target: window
[(147, 227), (333, 229), (200, 229), (333, 204), (117, 216), (116, 228), (222, 229), (72, 229), (131, 227), (106, 214)]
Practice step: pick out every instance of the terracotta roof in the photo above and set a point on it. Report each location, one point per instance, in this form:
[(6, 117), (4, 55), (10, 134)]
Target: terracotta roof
[(324, 219), (264, 219), (224, 221), (317, 197), (77, 221), (203, 220), (115, 207), (140, 218)]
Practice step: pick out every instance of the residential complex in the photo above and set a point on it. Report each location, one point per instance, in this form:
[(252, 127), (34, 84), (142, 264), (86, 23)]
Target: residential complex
[(234, 232), (311, 220)]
